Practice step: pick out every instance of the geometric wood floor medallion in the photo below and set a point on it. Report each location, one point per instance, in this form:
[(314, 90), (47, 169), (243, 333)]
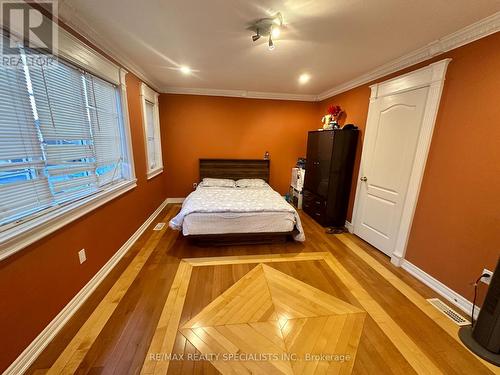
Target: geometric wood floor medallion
[(271, 323)]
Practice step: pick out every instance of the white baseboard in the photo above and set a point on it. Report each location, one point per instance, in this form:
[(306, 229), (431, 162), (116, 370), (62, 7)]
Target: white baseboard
[(175, 200), (396, 260), (436, 285), (28, 356), (349, 226)]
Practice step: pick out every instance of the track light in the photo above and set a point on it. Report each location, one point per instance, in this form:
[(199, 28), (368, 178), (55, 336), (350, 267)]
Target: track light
[(256, 36), (271, 44), (278, 19), (275, 31), (267, 27)]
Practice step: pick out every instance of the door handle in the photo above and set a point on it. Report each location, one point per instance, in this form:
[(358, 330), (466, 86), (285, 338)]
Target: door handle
[(364, 179)]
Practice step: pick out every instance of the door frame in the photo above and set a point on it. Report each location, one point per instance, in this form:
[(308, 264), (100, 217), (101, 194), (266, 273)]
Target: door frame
[(431, 76)]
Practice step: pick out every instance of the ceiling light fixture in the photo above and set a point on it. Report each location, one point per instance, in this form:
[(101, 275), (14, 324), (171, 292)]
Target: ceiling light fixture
[(275, 31), (304, 78), (270, 27), (271, 44), (256, 37), (185, 70)]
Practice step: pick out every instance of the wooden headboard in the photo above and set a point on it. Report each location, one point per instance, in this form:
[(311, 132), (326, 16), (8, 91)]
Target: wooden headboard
[(234, 169)]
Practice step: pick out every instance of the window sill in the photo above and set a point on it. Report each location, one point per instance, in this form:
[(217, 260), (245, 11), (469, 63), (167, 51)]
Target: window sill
[(18, 237), (154, 173)]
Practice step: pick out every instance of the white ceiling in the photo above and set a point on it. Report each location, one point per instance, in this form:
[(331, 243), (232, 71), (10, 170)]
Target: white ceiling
[(332, 40)]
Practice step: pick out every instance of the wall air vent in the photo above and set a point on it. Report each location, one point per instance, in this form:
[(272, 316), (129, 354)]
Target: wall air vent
[(159, 226), (449, 312)]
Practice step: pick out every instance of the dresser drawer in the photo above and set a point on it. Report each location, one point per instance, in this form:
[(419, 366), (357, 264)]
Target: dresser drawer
[(318, 215), (315, 207), (313, 200)]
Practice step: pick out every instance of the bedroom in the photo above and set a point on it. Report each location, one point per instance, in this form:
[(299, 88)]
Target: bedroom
[(101, 145)]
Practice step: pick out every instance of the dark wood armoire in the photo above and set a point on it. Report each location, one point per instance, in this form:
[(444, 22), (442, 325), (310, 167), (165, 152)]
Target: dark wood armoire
[(329, 168)]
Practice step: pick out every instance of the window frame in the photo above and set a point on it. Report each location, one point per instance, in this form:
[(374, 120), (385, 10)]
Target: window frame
[(18, 235), (151, 96)]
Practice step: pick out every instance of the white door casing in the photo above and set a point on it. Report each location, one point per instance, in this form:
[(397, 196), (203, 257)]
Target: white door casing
[(398, 134), (390, 142)]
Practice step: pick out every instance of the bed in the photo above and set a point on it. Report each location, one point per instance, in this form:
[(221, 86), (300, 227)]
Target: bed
[(247, 214)]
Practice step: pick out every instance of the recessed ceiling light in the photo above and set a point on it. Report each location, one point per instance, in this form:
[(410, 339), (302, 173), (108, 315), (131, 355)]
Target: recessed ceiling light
[(185, 70), (304, 78)]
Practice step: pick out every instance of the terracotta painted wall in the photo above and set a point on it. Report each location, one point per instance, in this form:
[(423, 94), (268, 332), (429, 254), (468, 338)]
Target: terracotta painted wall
[(220, 127), (456, 228), (38, 281)]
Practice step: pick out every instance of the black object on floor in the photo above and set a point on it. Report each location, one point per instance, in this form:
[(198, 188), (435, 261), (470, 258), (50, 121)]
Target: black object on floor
[(465, 334), (335, 230)]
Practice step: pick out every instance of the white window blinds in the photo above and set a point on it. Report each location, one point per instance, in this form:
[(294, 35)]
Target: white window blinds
[(150, 134), (23, 184), (150, 118), (103, 105), (61, 137)]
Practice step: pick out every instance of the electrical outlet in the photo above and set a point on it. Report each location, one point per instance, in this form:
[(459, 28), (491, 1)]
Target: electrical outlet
[(195, 185), (82, 256), (487, 280)]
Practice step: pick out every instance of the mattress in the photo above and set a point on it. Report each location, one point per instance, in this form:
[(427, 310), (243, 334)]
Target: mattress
[(245, 222), (223, 210)]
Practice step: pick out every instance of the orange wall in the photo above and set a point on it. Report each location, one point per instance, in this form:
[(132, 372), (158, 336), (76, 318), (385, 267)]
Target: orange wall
[(38, 281), (456, 228), (220, 127)]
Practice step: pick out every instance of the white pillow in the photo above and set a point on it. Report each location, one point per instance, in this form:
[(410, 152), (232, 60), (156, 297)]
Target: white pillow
[(251, 182), (217, 182)]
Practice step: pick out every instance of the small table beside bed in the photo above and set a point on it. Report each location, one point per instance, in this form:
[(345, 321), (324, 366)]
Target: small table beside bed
[(234, 204)]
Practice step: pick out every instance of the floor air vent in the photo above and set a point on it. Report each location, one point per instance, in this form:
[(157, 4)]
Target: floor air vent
[(159, 226), (449, 312)]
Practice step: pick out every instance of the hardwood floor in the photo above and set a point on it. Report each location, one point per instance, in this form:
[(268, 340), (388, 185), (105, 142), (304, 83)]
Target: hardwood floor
[(331, 305)]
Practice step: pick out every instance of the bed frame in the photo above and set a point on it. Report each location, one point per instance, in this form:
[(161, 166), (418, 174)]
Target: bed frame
[(236, 169), (234, 239)]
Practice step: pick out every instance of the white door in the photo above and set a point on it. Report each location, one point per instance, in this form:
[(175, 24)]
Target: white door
[(392, 134)]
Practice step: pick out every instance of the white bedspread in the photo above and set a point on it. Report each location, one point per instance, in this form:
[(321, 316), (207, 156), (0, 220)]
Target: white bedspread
[(240, 222), (235, 200)]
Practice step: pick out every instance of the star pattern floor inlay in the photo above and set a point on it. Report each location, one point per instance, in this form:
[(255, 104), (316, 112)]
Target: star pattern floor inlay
[(271, 323)]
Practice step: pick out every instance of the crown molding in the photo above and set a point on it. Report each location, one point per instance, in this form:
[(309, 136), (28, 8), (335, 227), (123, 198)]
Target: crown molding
[(240, 94), (468, 34), (71, 18)]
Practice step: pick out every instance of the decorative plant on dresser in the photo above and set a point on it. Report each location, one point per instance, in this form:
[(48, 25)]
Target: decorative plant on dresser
[(329, 168)]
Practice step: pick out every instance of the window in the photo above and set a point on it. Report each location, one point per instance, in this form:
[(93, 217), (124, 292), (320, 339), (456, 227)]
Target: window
[(63, 144), (151, 121)]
